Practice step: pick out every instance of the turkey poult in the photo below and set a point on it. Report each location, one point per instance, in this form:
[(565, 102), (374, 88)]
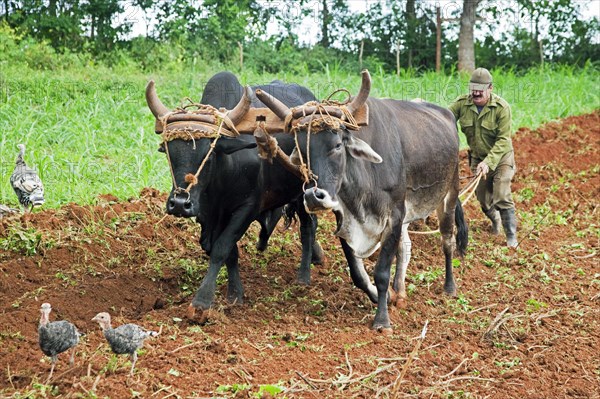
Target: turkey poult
[(5, 211), (26, 183), (56, 337), (125, 339)]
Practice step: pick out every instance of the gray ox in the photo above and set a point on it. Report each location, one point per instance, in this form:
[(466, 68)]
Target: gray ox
[(403, 167)]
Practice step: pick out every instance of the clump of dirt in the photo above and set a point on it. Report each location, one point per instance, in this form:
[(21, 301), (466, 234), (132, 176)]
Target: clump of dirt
[(524, 324)]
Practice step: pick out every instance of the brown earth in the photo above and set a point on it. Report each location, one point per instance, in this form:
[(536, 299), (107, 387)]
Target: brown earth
[(524, 325)]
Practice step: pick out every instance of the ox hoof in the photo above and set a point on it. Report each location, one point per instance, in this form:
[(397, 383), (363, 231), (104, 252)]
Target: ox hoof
[(303, 281), (400, 302), (398, 299), (451, 292), (261, 245), (387, 331), (195, 315)]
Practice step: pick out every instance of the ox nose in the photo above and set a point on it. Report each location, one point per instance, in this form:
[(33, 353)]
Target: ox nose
[(180, 206), (315, 199)]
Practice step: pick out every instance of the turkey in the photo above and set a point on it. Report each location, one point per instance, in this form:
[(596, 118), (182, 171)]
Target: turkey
[(56, 337), (26, 183), (125, 339), (5, 211)]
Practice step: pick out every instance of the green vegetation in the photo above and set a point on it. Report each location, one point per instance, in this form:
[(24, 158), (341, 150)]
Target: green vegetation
[(88, 131), (271, 36), (25, 241)]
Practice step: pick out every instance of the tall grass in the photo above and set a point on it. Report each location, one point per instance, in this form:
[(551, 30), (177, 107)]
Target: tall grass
[(88, 130)]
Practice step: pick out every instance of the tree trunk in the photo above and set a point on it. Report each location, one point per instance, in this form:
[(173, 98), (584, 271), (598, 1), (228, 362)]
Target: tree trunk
[(466, 40), (52, 8), (398, 58), (241, 49), (438, 39), (325, 26), (411, 29), (93, 29), (360, 53)]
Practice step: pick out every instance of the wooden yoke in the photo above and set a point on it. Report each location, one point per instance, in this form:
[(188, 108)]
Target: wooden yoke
[(273, 124)]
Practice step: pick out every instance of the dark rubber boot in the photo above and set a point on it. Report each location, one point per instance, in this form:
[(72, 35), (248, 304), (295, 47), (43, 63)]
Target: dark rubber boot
[(494, 217), (509, 222)]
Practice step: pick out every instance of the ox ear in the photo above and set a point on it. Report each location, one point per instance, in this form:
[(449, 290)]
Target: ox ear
[(361, 150), (231, 145), (295, 157)]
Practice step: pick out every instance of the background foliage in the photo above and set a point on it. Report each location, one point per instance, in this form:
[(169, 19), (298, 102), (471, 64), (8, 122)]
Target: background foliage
[(72, 75), (273, 34)]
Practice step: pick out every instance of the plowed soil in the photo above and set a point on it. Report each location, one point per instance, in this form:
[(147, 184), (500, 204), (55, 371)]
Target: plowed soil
[(525, 324)]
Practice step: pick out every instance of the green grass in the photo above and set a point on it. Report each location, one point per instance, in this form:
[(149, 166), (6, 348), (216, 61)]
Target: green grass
[(88, 131)]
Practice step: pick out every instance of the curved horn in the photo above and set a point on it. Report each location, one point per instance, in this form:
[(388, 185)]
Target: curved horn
[(279, 108), (237, 114), (363, 94), (156, 106)]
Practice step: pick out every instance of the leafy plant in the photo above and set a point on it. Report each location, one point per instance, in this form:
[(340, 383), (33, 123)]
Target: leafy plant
[(26, 241)]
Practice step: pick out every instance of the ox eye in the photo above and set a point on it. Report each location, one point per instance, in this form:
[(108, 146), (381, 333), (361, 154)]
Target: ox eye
[(336, 149), (161, 148)]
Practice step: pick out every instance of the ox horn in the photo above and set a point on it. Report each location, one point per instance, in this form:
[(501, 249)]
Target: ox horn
[(279, 108), (154, 103), (237, 114), (363, 94)]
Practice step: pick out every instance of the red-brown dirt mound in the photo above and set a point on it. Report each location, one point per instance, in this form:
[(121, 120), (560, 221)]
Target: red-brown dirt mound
[(524, 325)]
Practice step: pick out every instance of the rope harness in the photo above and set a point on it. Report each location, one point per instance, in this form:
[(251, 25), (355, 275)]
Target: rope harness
[(313, 117), (207, 122)]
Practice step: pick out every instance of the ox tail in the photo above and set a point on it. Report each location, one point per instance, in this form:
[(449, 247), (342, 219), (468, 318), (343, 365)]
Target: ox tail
[(462, 230), (289, 215)]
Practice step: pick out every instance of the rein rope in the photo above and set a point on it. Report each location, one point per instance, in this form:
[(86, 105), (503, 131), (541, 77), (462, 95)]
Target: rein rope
[(211, 131)]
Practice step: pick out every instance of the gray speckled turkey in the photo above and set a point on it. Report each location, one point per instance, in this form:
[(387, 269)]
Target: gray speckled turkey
[(125, 339), (5, 211), (26, 182), (56, 337)]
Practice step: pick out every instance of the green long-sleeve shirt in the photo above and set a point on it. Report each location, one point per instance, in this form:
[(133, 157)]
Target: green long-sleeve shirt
[(489, 132)]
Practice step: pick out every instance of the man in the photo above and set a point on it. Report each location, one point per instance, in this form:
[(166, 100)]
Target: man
[(485, 119)]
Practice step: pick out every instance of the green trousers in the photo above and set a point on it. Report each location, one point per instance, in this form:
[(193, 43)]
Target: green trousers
[(494, 192)]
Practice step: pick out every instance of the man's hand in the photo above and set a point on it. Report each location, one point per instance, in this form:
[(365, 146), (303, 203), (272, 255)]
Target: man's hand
[(483, 169)]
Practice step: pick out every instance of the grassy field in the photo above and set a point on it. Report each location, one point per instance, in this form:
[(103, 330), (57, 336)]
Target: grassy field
[(88, 131)]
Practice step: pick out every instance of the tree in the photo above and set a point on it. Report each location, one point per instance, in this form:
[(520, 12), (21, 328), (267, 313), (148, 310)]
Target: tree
[(466, 37), (100, 17), (411, 29), (57, 21), (146, 6), (333, 17)]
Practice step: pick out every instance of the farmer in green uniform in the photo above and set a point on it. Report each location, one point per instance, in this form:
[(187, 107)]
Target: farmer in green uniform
[(485, 119)]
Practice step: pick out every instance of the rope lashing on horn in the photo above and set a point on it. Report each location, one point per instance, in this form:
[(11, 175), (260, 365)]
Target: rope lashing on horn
[(469, 189), (205, 130), (318, 120)]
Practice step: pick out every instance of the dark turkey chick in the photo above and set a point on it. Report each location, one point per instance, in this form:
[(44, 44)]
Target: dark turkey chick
[(56, 337), (125, 339), (26, 182)]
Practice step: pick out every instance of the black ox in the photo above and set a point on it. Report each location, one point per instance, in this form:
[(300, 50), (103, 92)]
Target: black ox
[(235, 187), (403, 167)]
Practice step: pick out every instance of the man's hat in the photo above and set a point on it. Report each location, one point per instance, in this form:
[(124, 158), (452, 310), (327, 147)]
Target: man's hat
[(481, 79)]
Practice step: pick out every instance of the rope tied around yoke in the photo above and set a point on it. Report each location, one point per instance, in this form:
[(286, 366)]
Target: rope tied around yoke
[(320, 118), (206, 122)]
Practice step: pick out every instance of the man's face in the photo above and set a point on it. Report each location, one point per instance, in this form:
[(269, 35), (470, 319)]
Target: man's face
[(481, 97)]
